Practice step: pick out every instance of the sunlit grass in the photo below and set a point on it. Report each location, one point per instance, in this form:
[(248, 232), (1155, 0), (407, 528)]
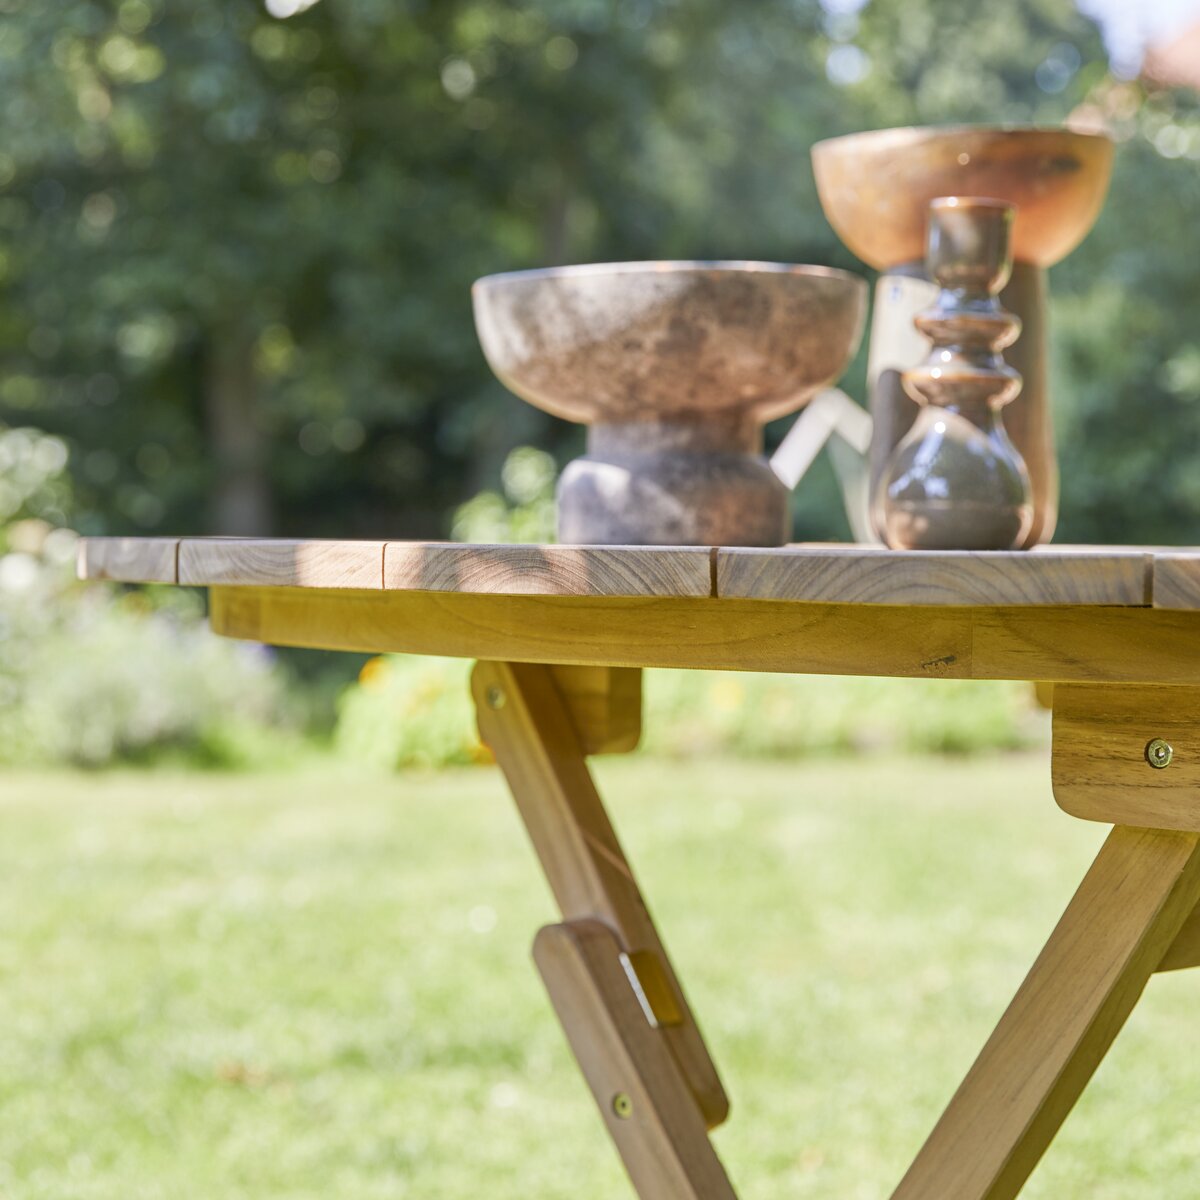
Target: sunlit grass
[(318, 985)]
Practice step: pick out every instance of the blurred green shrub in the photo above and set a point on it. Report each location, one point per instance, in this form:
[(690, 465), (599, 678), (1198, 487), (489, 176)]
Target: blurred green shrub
[(406, 711), (417, 712), (93, 674), (522, 512), (89, 675), (778, 716), (33, 479)]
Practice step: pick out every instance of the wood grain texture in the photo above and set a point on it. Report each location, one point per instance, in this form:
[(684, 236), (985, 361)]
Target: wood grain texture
[(280, 562), (128, 559), (523, 570), (1113, 935), (1185, 949), (523, 719), (876, 575), (605, 705), (839, 574), (1098, 760), (661, 1139), (1177, 579), (1134, 645)]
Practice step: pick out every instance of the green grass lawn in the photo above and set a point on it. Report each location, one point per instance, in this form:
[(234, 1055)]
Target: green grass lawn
[(318, 984)]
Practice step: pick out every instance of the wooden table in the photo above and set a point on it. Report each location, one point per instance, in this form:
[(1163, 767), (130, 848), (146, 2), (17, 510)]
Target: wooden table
[(561, 632)]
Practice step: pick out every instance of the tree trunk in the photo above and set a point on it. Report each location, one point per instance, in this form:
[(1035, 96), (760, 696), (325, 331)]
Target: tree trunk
[(240, 501)]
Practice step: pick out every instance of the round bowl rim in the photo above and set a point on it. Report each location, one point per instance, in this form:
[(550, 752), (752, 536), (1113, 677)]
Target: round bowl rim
[(680, 266), (910, 133)]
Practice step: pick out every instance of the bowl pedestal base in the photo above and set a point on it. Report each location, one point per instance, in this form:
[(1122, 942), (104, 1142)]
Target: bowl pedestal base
[(674, 483)]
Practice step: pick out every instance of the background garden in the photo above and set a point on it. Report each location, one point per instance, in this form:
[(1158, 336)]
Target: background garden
[(235, 258), (276, 947)]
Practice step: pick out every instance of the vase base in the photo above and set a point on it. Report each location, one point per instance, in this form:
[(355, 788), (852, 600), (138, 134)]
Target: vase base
[(956, 525)]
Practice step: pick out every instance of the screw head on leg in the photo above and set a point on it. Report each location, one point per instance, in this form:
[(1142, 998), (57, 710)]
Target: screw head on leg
[(495, 697), (622, 1106)]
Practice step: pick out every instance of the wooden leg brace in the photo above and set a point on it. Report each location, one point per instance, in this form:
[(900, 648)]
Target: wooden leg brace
[(646, 1105)]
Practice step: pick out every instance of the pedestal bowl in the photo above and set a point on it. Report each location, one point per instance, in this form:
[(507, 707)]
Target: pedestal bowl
[(876, 187), (674, 367)]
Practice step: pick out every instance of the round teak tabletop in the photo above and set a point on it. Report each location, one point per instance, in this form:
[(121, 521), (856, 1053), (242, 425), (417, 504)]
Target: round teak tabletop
[(1059, 613)]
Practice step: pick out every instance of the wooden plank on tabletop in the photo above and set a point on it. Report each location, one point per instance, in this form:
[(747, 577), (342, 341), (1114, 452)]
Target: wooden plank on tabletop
[(281, 562), (528, 570), (128, 559), (876, 575)]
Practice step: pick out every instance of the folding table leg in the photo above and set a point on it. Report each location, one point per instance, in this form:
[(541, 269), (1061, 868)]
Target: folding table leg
[(1185, 949), (535, 733), (645, 1103), (1126, 915)]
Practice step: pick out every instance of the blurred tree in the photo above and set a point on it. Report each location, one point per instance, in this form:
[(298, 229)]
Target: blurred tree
[(1128, 356), (239, 248), (235, 250)]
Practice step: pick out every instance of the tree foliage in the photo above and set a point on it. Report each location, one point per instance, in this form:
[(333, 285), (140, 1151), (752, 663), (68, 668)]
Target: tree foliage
[(236, 250)]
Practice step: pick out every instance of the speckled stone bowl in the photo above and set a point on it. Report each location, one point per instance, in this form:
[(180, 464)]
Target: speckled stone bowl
[(674, 367)]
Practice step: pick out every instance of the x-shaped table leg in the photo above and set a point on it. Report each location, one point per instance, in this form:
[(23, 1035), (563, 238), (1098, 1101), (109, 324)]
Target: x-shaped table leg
[(625, 1016)]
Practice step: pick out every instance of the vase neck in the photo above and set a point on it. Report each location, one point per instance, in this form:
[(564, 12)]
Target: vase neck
[(697, 433)]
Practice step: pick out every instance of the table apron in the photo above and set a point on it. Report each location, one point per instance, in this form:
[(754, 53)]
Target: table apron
[(1059, 644)]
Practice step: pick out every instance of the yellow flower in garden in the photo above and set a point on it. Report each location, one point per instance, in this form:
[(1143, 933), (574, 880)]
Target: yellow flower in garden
[(373, 674)]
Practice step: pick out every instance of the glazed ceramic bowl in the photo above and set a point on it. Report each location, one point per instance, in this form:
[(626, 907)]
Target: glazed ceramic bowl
[(876, 187)]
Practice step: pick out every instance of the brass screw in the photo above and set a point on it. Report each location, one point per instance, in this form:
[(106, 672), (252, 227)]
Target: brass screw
[(622, 1106), (1159, 753), (495, 697)]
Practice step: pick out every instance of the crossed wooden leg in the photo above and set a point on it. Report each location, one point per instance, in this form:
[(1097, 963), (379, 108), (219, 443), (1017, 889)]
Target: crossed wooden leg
[(1137, 911), (1127, 912), (606, 970)]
